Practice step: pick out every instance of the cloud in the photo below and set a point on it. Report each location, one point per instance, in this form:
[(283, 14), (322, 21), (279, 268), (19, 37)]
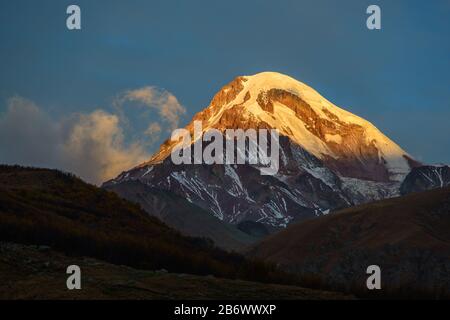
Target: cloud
[(90, 145), (153, 128), (27, 135), (165, 102), (153, 131), (94, 146)]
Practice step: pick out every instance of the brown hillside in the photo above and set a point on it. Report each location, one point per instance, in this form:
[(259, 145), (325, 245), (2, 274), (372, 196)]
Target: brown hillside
[(48, 207), (408, 237)]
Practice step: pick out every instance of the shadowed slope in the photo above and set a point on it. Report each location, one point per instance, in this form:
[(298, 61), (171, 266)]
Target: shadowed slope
[(408, 237), (182, 215), (48, 207)]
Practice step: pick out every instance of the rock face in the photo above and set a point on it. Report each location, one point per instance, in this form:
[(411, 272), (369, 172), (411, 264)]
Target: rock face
[(238, 193), (426, 178), (329, 158)]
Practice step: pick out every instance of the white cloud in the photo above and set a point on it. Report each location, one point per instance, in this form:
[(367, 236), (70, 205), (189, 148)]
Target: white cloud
[(27, 135), (165, 102), (153, 128), (89, 145), (95, 146), (153, 131), (92, 145)]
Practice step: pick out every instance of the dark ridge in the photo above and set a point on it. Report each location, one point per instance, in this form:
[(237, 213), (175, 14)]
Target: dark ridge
[(49, 207)]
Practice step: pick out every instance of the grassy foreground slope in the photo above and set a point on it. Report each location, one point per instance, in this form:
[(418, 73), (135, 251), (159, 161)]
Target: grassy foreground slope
[(36, 272)]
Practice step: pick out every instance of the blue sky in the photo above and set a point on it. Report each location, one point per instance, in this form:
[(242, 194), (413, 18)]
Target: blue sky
[(398, 78)]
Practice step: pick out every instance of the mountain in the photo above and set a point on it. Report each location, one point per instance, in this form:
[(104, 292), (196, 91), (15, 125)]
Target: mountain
[(329, 158), (407, 237), (50, 208), (345, 142), (184, 216), (426, 178)]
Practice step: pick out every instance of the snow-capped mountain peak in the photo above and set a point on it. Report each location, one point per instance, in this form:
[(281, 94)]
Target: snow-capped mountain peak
[(350, 144), (329, 158)]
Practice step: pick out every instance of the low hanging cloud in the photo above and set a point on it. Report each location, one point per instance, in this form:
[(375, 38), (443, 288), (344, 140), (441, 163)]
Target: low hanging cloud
[(163, 101), (28, 136), (94, 146), (90, 145)]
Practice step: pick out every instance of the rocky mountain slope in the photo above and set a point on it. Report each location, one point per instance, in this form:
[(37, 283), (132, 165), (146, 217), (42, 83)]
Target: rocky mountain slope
[(183, 215), (407, 237), (329, 158), (426, 178)]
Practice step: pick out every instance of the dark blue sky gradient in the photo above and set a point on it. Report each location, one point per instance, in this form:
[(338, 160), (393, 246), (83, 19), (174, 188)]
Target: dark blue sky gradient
[(397, 78)]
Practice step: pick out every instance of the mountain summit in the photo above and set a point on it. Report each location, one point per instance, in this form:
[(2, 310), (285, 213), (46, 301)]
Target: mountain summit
[(329, 157), (349, 144)]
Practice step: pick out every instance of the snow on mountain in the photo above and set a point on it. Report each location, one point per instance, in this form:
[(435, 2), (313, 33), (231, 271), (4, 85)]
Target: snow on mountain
[(426, 178), (284, 119), (329, 157), (276, 101)]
